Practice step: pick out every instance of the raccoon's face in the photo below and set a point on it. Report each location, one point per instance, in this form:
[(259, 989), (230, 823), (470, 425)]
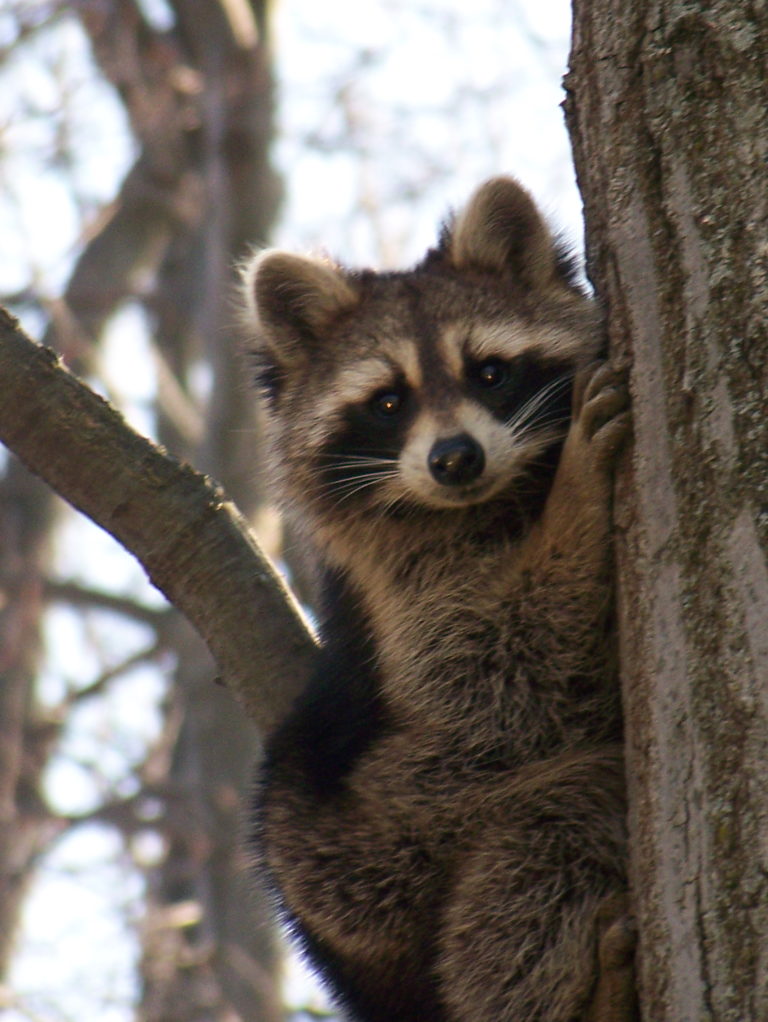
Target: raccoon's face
[(453, 420), (443, 388)]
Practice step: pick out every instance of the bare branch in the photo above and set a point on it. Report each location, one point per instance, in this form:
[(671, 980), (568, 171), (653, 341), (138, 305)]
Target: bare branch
[(83, 596), (98, 685), (192, 541)]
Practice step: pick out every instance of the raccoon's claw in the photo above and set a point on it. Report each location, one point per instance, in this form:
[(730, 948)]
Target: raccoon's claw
[(602, 411)]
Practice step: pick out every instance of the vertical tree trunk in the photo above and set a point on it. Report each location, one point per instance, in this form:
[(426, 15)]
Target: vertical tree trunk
[(26, 825), (668, 111), (209, 948)]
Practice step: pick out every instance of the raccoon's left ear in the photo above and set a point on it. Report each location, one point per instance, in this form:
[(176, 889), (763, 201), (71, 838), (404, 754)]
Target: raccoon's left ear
[(293, 299), (501, 231)]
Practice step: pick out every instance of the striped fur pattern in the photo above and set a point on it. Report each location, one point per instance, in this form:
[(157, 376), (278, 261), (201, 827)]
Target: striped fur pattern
[(442, 813)]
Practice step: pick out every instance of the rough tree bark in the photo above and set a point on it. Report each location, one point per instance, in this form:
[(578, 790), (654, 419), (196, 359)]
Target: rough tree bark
[(668, 111)]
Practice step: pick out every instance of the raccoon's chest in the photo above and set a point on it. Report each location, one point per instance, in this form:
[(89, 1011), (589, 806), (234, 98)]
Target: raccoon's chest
[(447, 655)]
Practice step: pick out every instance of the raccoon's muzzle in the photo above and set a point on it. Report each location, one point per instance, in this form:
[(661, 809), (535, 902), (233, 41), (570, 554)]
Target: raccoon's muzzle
[(457, 460)]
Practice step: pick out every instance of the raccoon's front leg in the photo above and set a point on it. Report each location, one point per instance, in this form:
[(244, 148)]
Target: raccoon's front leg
[(573, 531)]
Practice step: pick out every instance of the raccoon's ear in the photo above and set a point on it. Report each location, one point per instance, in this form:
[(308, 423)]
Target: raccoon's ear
[(293, 299), (501, 231)]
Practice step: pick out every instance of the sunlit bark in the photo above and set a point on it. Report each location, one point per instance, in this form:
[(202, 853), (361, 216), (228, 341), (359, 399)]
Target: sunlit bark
[(668, 110)]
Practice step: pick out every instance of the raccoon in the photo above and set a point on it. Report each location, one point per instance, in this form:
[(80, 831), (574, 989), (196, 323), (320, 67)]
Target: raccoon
[(443, 811)]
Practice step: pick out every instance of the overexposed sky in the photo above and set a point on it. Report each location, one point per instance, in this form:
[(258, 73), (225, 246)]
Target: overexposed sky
[(402, 108)]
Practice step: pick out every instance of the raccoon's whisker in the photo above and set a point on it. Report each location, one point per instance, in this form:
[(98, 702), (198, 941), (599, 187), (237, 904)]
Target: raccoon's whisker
[(342, 470), (390, 504), (356, 476), (394, 500), (341, 500), (343, 489), (345, 476), (545, 427), (353, 460), (340, 495), (551, 389), (523, 417), (553, 427), (350, 488), (543, 395), (350, 472), (352, 483)]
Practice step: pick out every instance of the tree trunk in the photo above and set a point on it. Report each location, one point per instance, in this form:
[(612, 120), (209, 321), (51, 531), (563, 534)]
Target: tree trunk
[(26, 737), (208, 949), (668, 112)]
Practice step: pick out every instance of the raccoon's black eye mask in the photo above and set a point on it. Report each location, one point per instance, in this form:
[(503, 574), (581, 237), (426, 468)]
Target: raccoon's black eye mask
[(508, 386), (366, 445), (490, 374), (389, 403)]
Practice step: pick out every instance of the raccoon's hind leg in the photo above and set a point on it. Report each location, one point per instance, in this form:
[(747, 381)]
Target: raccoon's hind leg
[(517, 949), (520, 940)]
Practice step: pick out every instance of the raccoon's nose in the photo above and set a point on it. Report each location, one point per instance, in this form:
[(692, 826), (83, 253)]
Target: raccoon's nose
[(457, 460)]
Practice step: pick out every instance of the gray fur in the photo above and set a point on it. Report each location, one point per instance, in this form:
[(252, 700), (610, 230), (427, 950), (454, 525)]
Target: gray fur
[(458, 871)]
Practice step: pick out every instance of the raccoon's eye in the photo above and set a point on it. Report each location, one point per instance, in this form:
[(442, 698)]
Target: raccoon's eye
[(489, 375), (386, 403)]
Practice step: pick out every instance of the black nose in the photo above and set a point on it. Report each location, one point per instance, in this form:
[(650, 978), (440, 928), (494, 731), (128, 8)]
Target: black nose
[(457, 460)]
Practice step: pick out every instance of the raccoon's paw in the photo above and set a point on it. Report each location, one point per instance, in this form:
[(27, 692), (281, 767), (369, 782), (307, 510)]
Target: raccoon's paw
[(617, 932), (614, 998), (601, 401)]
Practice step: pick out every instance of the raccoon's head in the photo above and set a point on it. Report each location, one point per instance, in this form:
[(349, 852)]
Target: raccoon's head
[(444, 388)]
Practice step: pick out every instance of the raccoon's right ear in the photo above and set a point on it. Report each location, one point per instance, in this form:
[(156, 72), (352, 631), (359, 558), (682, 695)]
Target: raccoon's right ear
[(294, 299), (501, 231)]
